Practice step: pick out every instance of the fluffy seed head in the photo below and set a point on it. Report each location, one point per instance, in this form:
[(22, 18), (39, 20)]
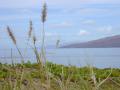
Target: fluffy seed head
[(30, 29), (44, 12), (57, 43), (11, 35), (34, 39)]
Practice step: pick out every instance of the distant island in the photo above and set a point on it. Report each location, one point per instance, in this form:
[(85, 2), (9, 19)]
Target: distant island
[(107, 42)]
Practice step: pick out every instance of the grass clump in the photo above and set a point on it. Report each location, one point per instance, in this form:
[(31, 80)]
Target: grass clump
[(61, 77), (45, 75)]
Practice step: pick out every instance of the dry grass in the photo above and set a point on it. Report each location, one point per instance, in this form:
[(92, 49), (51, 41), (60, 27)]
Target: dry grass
[(19, 78)]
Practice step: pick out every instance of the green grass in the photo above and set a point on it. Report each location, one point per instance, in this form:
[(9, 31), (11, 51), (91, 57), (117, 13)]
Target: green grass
[(31, 77), (44, 75)]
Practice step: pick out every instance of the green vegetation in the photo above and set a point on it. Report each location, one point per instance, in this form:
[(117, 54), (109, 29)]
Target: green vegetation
[(30, 77), (44, 75)]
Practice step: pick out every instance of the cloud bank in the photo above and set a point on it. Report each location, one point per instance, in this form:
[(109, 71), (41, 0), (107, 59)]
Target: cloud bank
[(62, 3)]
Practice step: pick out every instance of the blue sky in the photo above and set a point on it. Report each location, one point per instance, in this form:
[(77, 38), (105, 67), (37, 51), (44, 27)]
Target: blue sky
[(68, 20)]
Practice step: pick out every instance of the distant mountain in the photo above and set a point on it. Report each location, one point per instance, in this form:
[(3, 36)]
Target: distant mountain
[(107, 42)]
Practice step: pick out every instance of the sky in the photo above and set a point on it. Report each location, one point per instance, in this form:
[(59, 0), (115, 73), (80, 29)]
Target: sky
[(69, 21)]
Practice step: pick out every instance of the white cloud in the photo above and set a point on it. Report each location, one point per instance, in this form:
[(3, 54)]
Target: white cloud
[(19, 16), (83, 32), (51, 34), (62, 25), (62, 3), (19, 3), (105, 29), (93, 10), (88, 22), (78, 2)]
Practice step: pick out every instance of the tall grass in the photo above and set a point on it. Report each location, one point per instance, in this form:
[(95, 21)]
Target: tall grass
[(44, 75), (14, 41)]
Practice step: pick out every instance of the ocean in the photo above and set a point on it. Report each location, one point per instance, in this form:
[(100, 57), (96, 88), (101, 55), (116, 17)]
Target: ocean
[(97, 57)]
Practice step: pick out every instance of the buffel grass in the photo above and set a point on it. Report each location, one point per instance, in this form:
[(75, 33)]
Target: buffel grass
[(44, 75)]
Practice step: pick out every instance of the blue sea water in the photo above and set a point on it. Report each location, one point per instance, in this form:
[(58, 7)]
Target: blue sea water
[(97, 57)]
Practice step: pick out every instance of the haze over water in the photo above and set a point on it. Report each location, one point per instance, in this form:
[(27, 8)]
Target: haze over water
[(98, 57)]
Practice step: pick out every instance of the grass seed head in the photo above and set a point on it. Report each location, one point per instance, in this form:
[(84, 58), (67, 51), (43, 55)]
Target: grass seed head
[(11, 35), (44, 12), (34, 39), (30, 29)]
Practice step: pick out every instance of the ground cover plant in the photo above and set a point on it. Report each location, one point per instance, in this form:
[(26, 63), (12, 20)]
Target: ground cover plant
[(45, 75)]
